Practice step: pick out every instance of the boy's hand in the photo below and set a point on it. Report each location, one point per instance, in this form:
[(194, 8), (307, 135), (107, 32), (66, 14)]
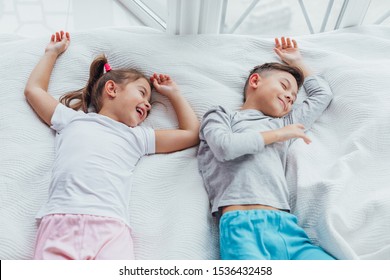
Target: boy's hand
[(59, 43), (293, 131), (164, 85), (287, 50), (285, 133)]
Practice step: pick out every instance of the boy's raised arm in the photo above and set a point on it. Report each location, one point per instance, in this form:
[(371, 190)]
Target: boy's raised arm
[(317, 89), (288, 51)]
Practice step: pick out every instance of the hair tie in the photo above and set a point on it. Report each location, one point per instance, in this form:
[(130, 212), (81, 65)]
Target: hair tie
[(107, 67)]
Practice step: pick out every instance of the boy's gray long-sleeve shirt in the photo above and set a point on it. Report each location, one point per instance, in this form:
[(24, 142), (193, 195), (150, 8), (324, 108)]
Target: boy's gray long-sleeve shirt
[(237, 168)]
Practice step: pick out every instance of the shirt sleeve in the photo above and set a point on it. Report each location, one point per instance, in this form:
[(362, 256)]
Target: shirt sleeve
[(62, 116), (223, 142), (319, 96), (147, 140)]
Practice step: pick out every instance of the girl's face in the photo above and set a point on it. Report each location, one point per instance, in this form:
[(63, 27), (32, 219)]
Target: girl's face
[(132, 102)]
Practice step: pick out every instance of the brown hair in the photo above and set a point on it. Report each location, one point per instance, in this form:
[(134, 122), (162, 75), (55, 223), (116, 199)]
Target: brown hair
[(91, 94), (295, 71)]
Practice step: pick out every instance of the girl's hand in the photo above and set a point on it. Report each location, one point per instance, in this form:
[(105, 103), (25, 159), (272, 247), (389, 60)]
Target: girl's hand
[(59, 42), (288, 51), (164, 85), (187, 135)]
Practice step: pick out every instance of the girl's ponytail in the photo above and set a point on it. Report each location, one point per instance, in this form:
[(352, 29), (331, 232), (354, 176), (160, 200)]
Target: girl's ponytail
[(82, 98), (92, 93)]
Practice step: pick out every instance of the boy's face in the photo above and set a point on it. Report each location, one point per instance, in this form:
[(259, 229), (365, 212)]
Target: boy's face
[(272, 92)]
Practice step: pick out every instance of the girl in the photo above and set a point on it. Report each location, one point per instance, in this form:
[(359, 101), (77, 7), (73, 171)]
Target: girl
[(85, 216)]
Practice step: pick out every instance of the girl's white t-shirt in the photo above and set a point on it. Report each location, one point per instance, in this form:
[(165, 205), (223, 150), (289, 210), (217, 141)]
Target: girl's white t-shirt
[(93, 168)]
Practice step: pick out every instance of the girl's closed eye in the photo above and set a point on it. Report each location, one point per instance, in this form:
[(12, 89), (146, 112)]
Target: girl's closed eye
[(283, 86), (144, 92)]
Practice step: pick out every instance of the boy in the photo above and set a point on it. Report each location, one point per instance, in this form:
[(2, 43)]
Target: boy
[(242, 159)]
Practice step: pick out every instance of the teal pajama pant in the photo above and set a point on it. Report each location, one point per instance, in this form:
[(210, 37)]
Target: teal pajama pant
[(265, 235)]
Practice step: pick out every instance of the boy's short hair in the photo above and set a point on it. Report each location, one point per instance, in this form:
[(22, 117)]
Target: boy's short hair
[(296, 72)]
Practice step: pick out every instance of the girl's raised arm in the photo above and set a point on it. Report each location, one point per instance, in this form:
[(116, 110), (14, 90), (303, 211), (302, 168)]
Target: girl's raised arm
[(36, 88), (188, 133)]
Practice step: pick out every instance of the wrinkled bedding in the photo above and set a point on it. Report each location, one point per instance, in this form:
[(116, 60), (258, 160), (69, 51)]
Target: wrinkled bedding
[(340, 183)]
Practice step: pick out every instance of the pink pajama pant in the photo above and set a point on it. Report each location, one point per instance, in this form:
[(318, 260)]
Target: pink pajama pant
[(83, 237)]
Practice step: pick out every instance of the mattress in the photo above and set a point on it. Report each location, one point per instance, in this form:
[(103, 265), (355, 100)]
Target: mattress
[(339, 184)]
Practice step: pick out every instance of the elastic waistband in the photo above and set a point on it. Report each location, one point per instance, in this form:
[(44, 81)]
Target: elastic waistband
[(259, 213)]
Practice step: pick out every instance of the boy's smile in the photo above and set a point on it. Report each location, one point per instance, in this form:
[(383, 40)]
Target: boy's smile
[(273, 93)]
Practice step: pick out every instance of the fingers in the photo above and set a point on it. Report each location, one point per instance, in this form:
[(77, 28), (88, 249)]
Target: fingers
[(305, 138), (295, 43), (153, 79), (302, 134), (298, 131), (278, 52), (164, 78), (285, 43), (154, 82), (289, 45), (67, 36), (160, 78), (277, 43), (59, 36)]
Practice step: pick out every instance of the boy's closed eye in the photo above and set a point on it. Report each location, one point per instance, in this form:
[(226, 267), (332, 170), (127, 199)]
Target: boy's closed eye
[(294, 98)]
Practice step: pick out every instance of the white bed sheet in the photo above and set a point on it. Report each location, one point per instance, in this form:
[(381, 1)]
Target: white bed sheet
[(340, 187)]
